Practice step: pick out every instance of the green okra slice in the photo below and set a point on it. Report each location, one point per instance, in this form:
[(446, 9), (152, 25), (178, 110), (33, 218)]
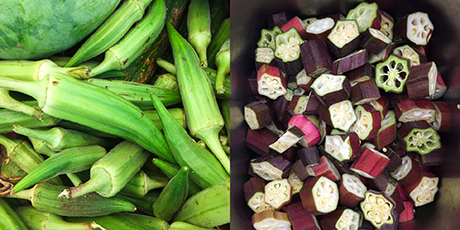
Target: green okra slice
[(112, 172), (287, 51), (391, 75), (419, 136), (111, 31), (67, 161), (267, 38), (207, 170), (59, 138)]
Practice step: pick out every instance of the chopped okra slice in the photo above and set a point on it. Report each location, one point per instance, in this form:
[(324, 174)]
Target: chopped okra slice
[(319, 195), (415, 110), (443, 116), (332, 88), (386, 24), (343, 38), (298, 24), (342, 147), (416, 28), (377, 209), (287, 50), (295, 182), (288, 139), (341, 219), (364, 92), (424, 192), (367, 15), (315, 58), (271, 220), (419, 137), (271, 82), (391, 75), (342, 115), (264, 55), (270, 167), (300, 218), (254, 193), (408, 172), (387, 131), (319, 29), (370, 164), (278, 193), (351, 190), (257, 115), (408, 52), (422, 80), (368, 122), (374, 41), (267, 38), (312, 135)]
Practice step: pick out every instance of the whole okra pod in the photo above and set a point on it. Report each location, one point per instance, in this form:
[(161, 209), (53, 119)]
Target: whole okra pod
[(204, 119), (64, 97), (8, 102), (199, 28), (10, 117), (9, 218), (141, 183), (171, 170)]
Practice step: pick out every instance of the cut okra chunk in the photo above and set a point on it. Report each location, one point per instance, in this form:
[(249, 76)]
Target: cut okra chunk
[(408, 52), (342, 115), (270, 167), (278, 193), (368, 122), (271, 220), (287, 51), (386, 24), (288, 139), (377, 209), (267, 37), (319, 29), (423, 192), (422, 81), (415, 110), (415, 27), (367, 15), (391, 75), (343, 38), (254, 190), (271, 82), (257, 115), (341, 219), (351, 190), (419, 137), (264, 56), (319, 195), (343, 147), (331, 88)]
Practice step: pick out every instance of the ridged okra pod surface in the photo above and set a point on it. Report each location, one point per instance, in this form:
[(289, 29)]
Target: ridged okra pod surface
[(199, 28)]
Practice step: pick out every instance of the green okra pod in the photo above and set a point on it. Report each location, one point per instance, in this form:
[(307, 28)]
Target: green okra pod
[(204, 119), (143, 204), (44, 197), (10, 171), (137, 93), (171, 170), (207, 170), (21, 153), (179, 225), (138, 38), (223, 66), (111, 31), (67, 98), (7, 102), (199, 28), (217, 40), (125, 221), (59, 138), (172, 196), (177, 113), (141, 183), (225, 108), (10, 117), (166, 81), (38, 220), (9, 218), (67, 161), (41, 147), (112, 172)]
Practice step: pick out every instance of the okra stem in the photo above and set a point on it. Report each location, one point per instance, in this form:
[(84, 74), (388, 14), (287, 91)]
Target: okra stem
[(7, 102), (223, 66), (168, 66)]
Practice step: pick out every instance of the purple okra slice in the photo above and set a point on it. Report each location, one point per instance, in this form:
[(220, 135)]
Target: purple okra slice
[(350, 62), (331, 88), (364, 92), (319, 195), (415, 28), (374, 41), (288, 139), (421, 81), (386, 24), (259, 140), (271, 82), (278, 19), (254, 192), (257, 115), (295, 182), (270, 219), (298, 24), (300, 218), (406, 51), (343, 147), (343, 38), (320, 28), (340, 115), (271, 167), (391, 75), (360, 74), (367, 15), (368, 122), (415, 110), (315, 58), (287, 51), (351, 190)]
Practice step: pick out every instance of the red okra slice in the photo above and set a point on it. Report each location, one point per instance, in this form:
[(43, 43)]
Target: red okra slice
[(319, 195), (267, 37), (254, 190), (415, 110), (264, 56), (298, 24), (315, 58), (271, 167), (374, 41), (391, 75), (415, 28), (425, 190), (331, 88), (341, 219), (364, 92), (287, 51), (382, 104), (311, 132), (278, 193), (288, 139), (295, 182), (343, 147), (320, 29), (368, 122), (257, 115), (386, 24), (259, 140), (421, 81), (367, 15), (443, 116), (340, 115), (419, 136), (325, 168), (378, 209), (408, 52), (270, 219), (343, 38), (350, 62), (351, 190), (408, 213), (370, 164), (271, 82), (408, 173), (387, 132), (300, 218)]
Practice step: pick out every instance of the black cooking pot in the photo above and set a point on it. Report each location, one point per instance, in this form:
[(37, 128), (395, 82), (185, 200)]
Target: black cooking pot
[(249, 17)]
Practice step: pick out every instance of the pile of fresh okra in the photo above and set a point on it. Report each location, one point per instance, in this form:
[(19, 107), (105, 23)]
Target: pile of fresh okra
[(346, 121), (83, 150)]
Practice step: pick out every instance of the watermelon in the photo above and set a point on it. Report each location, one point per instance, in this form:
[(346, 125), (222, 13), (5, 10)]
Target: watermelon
[(35, 29)]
